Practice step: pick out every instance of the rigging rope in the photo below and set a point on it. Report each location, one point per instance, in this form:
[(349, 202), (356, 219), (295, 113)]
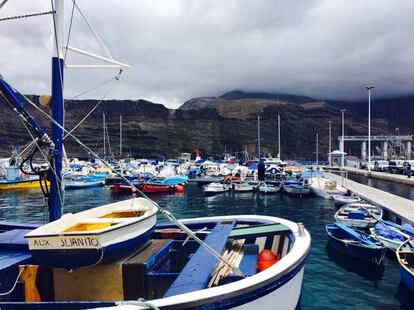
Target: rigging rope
[(163, 211), (27, 15)]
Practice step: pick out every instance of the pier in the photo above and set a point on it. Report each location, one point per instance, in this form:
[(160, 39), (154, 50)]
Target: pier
[(386, 176), (398, 209)]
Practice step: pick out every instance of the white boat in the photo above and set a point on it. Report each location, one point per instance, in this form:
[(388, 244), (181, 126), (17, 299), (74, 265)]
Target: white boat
[(243, 187), (326, 188), (296, 187), (270, 187), (360, 215), (94, 236), (343, 199), (215, 188)]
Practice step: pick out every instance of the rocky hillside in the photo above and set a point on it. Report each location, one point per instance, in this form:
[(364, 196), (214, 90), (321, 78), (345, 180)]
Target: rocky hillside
[(211, 124)]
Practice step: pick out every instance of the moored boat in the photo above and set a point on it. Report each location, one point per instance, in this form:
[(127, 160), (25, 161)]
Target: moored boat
[(215, 188), (180, 274), (355, 243), (296, 187), (243, 187), (326, 188), (360, 215), (94, 236), (344, 199), (156, 188), (405, 257), (392, 235), (270, 187)]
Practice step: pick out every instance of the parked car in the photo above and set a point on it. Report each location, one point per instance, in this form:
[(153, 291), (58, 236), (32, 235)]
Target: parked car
[(381, 165), (396, 166)]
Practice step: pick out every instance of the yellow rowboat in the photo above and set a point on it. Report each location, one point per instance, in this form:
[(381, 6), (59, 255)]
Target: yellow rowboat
[(20, 184)]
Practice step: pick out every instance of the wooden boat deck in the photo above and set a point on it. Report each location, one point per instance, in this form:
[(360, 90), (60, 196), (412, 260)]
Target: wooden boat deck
[(403, 208)]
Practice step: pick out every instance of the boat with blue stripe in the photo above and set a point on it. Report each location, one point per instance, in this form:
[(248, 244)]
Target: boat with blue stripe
[(355, 243)]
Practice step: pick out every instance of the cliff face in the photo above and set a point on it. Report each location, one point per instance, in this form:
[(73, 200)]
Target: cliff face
[(211, 125)]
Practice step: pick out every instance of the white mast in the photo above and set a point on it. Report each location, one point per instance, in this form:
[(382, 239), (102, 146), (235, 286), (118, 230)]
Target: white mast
[(120, 135), (104, 135), (278, 135)]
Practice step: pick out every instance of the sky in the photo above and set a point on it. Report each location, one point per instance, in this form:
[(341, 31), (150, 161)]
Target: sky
[(179, 49)]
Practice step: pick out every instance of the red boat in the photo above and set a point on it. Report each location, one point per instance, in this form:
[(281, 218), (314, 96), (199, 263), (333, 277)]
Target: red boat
[(156, 188), (123, 188)]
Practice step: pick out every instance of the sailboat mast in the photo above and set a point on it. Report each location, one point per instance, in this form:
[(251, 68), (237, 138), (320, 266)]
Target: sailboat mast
[(104, 135), (258, 137), (278, 135), (120, 135), (55, 205)]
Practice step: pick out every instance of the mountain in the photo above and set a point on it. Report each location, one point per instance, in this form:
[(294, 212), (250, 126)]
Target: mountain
[(215, 124)]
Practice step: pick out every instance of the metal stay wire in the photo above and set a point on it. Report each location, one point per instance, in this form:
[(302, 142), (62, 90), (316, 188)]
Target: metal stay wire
[(163, 211)]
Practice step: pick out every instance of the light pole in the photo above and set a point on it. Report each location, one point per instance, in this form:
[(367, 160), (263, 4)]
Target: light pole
[(330, 143), (342, 139), (369, 87)]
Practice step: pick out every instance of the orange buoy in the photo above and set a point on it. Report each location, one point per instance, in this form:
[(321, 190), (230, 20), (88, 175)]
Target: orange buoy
[(266, 259), (179, 189)]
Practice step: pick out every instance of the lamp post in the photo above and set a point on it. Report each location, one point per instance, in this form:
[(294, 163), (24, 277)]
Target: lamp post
[(330, 143), (369, 87), (342, 139)]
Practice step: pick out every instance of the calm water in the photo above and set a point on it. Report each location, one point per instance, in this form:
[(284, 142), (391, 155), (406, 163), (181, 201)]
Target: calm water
[(331, 281), (402, 190)]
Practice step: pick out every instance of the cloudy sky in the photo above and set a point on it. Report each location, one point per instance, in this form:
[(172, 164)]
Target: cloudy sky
[(180, 49)]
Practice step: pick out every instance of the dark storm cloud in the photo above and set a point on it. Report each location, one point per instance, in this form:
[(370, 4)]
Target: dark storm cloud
[(181, 49)]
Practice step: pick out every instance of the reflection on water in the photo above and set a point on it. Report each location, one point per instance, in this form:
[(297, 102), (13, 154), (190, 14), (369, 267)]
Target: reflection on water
[(331, 281)]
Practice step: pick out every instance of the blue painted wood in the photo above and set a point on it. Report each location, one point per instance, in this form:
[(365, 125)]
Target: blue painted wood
[(11, 258), (248, 264), (196, 273), (14, 240), (6, 225)]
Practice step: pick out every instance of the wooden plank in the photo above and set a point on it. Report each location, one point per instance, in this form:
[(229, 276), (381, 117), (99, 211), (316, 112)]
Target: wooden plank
[(258, 231), (402, 207), (197, 271)]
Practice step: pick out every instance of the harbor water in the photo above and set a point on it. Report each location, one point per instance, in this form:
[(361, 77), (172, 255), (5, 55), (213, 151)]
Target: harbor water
[(332, 281)]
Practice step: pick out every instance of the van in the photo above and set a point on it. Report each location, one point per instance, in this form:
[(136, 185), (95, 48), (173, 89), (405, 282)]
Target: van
[(396, 166), (381, 165)]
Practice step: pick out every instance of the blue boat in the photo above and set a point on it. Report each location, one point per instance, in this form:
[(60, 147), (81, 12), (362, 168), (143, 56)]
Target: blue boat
[(296, 186), (405, 256), (391, 234), (355, 243)]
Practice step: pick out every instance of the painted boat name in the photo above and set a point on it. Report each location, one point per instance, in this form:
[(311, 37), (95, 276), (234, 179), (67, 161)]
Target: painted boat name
[(69, 242)]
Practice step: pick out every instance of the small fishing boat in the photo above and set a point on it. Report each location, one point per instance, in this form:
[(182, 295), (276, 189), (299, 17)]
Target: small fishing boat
[(344, 199), (392, 235), (215, 188), (243, 187), (355, 243), (405, 256), (325, 188), (156, 188), (296, 187), (270, 187), (360, 215), (16, 180), (97, 235)]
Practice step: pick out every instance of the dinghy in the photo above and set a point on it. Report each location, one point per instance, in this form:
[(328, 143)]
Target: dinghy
[(392, 235), (361, 215), (355, 243), (215, 188), (405, 256), (270, 187), (243, 187), (343, 199), (296, 187), (94, 236)]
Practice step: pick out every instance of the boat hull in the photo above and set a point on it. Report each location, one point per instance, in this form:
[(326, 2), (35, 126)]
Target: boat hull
[(20, 185), (407, 278), (296, 190), (82, 184), (156, 188)]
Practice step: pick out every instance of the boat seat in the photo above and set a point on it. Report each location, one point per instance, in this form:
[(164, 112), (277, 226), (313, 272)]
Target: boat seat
[(197, 271), (13, 240), (104, 220)]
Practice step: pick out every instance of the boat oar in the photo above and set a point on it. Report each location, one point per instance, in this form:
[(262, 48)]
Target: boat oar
[(385, 223)]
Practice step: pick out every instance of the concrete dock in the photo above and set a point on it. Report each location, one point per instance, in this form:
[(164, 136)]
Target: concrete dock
[(398, 209), (397, 178)]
